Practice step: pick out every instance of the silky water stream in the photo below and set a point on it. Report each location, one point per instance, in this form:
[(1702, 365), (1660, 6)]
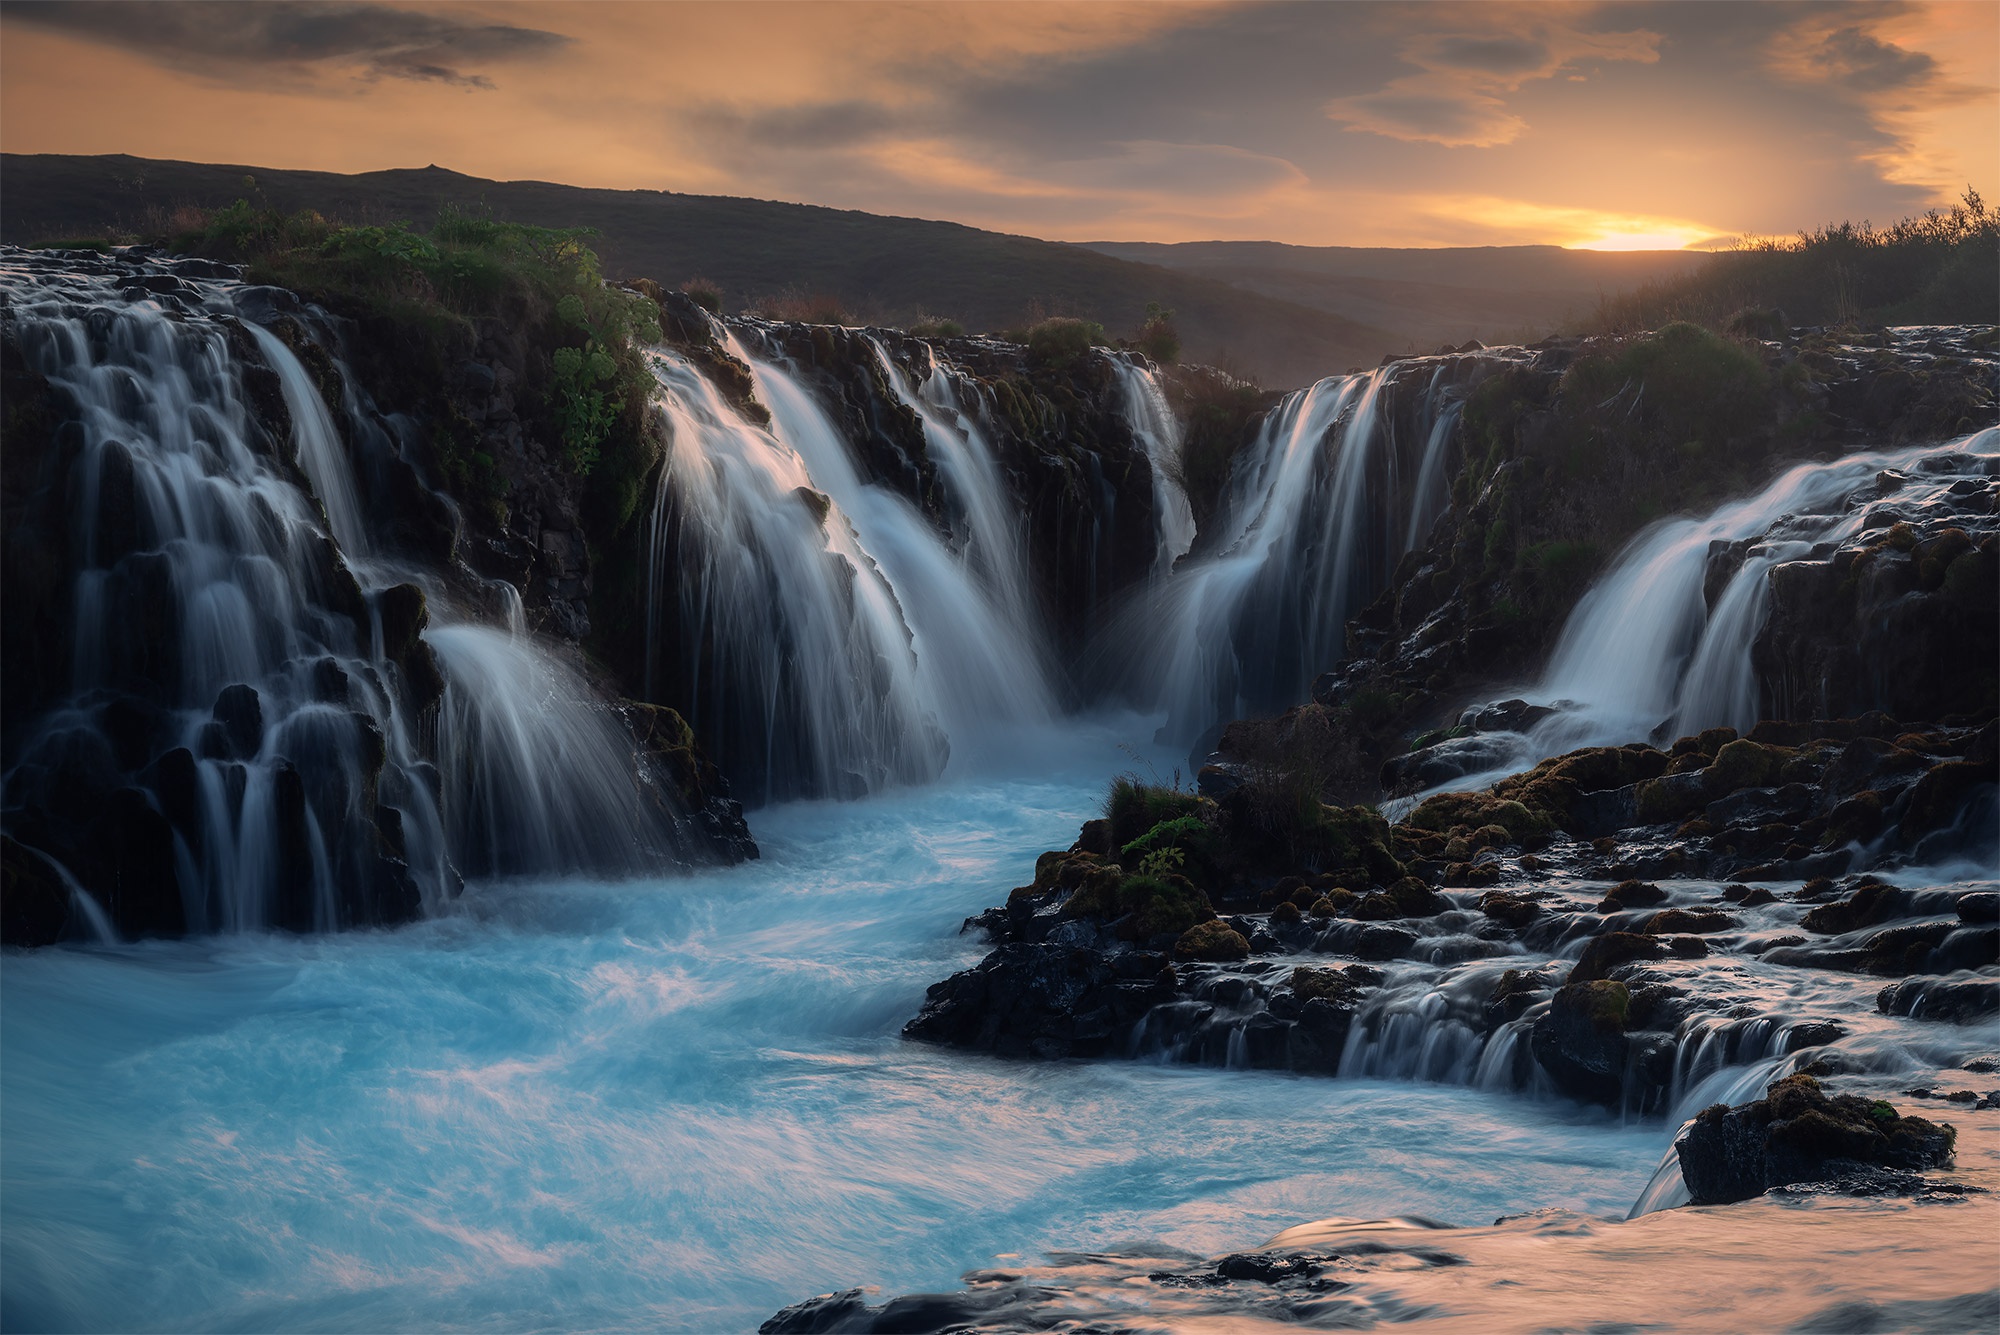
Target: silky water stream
[(669, 1104)]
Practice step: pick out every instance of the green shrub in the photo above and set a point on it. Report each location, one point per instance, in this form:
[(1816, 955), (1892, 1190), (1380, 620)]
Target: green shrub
[(1942, 267), (1061, 342), (935, 326), (1158, 338), (1135, 808)]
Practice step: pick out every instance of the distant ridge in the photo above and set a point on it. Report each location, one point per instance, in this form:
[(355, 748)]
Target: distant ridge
[(887, 270), (1425, 296)]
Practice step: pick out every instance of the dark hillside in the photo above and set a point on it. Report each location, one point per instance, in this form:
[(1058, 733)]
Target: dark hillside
[(882, 270), (1496, 294)]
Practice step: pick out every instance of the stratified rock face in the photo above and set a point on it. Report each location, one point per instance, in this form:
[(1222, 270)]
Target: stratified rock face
[(1797, 1133), (1900, 618)]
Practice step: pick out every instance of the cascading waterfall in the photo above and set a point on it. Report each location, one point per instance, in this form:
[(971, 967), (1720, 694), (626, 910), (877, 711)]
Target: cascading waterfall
[(1432, 493), (788, 640), (824, 626), (227, 660), (1317, 511), (978, 673), (1159, 434), (991, 546), (565, 794), (1643, 652), (210, 601)]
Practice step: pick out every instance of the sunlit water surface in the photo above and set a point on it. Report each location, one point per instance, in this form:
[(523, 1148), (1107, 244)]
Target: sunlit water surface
[(674, 1104)]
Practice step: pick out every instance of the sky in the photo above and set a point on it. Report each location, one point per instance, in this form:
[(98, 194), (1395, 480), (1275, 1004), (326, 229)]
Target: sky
[(1619, 126)]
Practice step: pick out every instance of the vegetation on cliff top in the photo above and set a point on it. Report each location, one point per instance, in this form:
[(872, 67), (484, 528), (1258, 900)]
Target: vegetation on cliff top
[(1940, 268)]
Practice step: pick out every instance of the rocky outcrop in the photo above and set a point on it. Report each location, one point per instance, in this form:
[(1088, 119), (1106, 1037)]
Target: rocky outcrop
[(1228, 928), (1569, 453), (1797, 1133), (114, 775)]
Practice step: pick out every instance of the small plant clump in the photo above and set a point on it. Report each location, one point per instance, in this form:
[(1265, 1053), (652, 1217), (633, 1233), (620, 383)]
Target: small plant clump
[(1059, 343), (1158, 337), (705, 294)]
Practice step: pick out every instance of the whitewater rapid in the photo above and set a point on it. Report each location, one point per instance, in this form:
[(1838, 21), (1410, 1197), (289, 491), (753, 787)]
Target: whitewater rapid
[(669, 1104)]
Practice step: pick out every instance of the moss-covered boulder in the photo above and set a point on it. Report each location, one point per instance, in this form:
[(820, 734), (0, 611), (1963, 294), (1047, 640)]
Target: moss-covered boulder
[(1212, 943), (1696, 921), (1798, 1133), (1140, 907), (1581, 1041)]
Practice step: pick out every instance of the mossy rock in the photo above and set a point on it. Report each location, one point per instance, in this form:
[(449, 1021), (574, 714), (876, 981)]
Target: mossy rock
[(1481, 810), (1334, 903), (1797, 1133), (1605, 1002), (1692, 921), (1308, 984), (1746, 764), (1671, 797), (1871, 902), (1144, 906), (1212, 942), (1631, 895), (1509, 910)]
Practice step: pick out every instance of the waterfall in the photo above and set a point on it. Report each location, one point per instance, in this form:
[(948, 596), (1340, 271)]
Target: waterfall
[(228, 679), (822, 623), (978, 673), (789, 644), (1159, 434), (1342, 479), (567, 796), (1643, 647), (991, 546)]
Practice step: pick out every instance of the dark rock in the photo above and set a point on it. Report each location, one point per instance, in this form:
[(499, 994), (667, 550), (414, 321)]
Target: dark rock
[(1631, 895), (240, 713), (1959, 1001), (1796, 1133), (1612, 950), (34, 902), (828, 1314), (1687, 920), (1581, 1041), (1265, 1268)]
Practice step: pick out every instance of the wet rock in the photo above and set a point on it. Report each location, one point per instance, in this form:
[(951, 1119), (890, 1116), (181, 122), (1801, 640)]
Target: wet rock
[(1265, 1268), (34, 903), (1037, 1000), (1871, 903), (1612, 950), (1631, 895), (1955, 1000), (1581, 1041), (1695, 921), (240, 715), (1212, 942), (1797, 1133)]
